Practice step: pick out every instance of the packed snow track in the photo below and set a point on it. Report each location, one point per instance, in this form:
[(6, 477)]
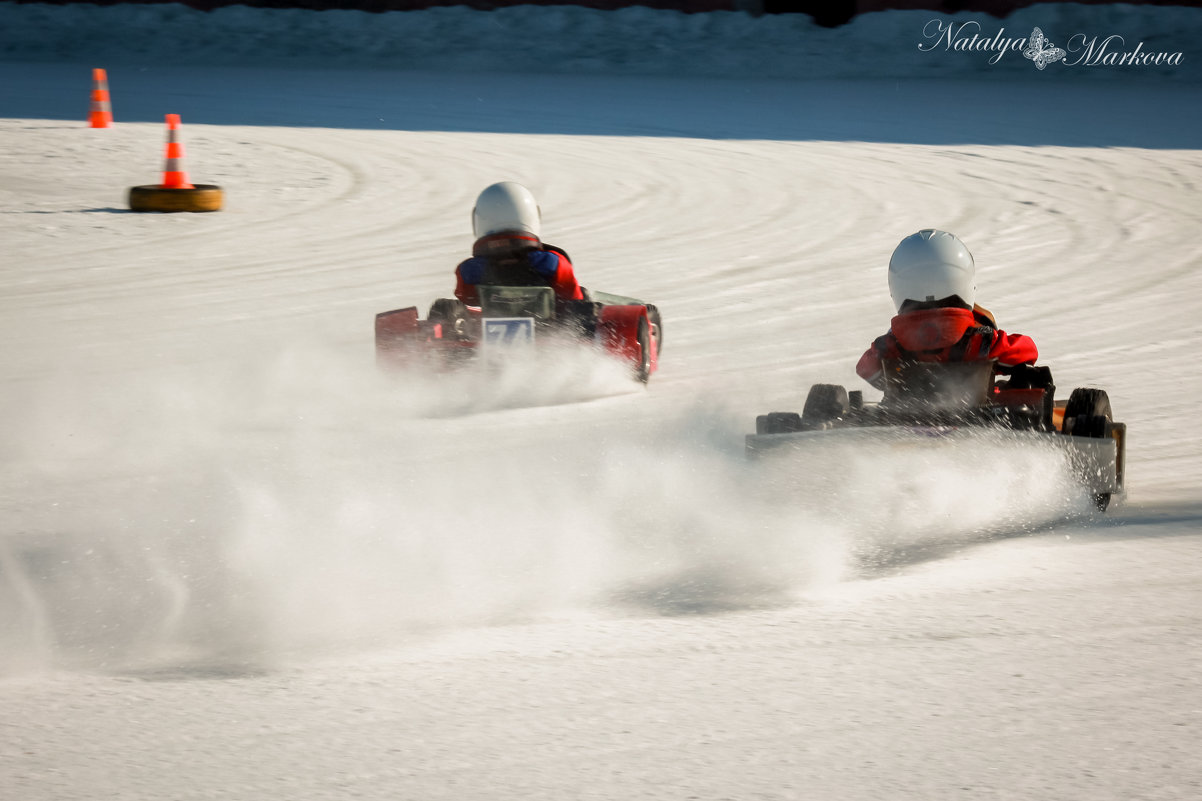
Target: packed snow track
[(237, 560)]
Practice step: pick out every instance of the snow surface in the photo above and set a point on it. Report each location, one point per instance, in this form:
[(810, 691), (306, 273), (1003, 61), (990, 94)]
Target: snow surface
[(237, 561)]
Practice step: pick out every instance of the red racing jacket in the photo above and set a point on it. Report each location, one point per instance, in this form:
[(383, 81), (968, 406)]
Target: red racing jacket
[(944, 335), (513, 259)]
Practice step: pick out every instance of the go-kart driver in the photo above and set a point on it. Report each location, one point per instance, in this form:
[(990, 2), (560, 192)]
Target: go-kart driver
[(508, 252), (932, 280)]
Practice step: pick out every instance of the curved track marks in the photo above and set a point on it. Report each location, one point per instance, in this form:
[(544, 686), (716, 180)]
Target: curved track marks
[(767, 256)]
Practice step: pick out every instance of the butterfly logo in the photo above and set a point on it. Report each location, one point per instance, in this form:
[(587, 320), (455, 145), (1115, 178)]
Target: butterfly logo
[(1041, 51)]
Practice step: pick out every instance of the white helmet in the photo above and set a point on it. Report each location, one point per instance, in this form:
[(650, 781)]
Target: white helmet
[(930, 266), (506, 207)]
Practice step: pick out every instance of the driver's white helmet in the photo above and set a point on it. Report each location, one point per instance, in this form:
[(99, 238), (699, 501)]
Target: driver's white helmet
[(931, 266), (506, 207)]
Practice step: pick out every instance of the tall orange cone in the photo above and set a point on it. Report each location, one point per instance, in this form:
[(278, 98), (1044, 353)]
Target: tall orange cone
[(101, 114), (174, 176)]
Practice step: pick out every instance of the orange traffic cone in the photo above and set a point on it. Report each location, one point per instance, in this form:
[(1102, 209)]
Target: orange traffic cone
[(101, 114), (175, 193), (174, 176)]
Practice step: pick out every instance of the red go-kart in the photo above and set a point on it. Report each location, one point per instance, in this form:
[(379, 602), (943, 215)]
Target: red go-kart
[(511, 318)]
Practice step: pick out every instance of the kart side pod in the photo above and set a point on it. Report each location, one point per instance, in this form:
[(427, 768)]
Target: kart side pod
[(394, 331)]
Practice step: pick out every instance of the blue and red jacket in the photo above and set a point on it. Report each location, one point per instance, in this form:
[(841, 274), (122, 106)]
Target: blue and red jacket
[(944, 335), (515, 259)]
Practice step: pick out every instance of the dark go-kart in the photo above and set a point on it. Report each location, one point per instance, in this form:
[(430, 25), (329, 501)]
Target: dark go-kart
[(515, 317), (931, 401)]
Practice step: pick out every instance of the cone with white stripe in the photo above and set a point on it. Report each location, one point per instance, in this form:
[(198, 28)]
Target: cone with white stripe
[(175, 193), (100, 115), (174, 176)]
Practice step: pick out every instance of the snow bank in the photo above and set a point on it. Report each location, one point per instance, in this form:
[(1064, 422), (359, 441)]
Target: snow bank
[(570, 39)]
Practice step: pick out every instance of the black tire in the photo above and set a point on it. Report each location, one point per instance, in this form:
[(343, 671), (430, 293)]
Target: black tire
[(1087, 402), (642, 369), (824, 403), (447, 309), (1093, 426), (1088, 414), (452, 313), (778, 423), (200, 197), (657, 328)]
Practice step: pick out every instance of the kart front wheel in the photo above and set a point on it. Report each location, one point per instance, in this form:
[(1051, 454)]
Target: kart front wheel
[(778, 423)]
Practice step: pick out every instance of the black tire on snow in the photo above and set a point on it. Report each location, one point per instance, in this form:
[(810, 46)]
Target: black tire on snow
[(1088, 414), (825, 402), (199, 197), (778, 423), (657, 327), (642, 369)]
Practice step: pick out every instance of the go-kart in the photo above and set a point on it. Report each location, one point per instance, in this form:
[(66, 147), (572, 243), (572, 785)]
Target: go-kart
[(512, 318), (935, 401)]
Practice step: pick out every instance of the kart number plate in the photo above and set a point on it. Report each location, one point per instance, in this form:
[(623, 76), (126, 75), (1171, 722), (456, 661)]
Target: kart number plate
[(508, 332)]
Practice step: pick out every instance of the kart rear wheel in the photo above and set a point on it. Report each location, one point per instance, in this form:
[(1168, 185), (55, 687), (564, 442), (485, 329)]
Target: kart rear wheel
[(1090, 425), (1088, 414), (642, 368), (452, 314), (825, 402), (1089, 402), (657, 328)]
